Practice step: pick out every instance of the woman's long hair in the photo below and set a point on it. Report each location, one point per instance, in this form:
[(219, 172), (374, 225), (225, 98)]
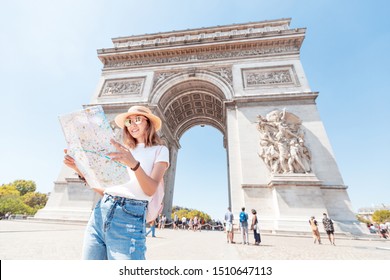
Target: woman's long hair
[(151, 138)]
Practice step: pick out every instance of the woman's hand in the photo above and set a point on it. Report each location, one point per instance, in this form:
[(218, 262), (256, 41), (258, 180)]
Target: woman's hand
[(123, 155), (69, 161)]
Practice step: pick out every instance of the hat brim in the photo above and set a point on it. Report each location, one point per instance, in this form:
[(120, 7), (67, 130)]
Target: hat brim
[(120, 119)]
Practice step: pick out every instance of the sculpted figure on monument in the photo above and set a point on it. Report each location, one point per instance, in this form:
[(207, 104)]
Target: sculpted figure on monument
[(305, 155), (282, 146), (295, 162)]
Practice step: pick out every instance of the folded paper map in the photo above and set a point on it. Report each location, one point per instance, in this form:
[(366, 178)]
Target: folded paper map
[(88, 134)]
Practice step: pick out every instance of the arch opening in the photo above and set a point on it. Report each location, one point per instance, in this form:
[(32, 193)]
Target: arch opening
[(186, 106), (203, 186)]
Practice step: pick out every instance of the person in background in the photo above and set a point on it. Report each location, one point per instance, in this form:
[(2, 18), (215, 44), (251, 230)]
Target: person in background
[(244, 226), (184, 222), (314, 228), (256, 227), (329, 228), (175, 221), (229, 226)]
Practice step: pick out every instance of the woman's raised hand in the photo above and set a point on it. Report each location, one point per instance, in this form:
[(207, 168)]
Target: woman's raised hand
[(69, 161), (123, 155)]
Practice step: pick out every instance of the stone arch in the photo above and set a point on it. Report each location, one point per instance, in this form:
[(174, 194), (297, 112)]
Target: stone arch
[(224, 86), (186, 100)]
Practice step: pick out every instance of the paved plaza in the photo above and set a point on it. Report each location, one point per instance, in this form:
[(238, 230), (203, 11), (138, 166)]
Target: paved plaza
[(37, 240)]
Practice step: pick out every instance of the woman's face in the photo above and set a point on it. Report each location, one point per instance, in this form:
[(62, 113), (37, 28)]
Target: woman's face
[(137, 125)]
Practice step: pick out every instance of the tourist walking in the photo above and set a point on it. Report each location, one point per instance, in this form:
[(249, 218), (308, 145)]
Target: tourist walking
[(329, 228), (255, 227), (314, 228), (244, 226), (116, 229)]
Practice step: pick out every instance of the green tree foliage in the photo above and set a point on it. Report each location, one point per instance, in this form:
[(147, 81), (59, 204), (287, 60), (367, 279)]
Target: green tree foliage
[(381, 216), (180, 213), (24, 186), (19, 197), (8, 190), (35, 199), (14, 205), (189, 213)]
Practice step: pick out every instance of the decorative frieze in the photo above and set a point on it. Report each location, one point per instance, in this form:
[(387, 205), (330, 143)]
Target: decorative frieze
[(194, 55), (269, 77), (128, 86)]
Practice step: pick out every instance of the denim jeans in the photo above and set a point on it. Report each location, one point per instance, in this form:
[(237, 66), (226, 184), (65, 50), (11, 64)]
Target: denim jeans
[(116, 230), (244, 232), (152, 230)]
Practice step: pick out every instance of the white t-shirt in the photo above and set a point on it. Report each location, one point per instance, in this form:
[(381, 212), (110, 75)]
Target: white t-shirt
[(147, 156)]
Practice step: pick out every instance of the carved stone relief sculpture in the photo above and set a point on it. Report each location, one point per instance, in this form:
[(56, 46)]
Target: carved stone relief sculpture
[(270, 77), (122, 87), (282, 144)]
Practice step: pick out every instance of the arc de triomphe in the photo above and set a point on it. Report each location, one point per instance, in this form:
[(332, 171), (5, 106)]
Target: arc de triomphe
[(247, 81)]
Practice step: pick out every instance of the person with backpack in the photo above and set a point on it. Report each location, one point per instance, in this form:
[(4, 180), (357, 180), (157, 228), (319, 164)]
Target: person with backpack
[(244, 226), (117, 226)]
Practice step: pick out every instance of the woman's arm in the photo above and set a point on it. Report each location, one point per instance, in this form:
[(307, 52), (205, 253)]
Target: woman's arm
[(69, 161), (148, 184)]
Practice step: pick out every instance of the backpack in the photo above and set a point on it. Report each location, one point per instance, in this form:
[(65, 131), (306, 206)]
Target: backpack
[(243, 217), (155, 206)]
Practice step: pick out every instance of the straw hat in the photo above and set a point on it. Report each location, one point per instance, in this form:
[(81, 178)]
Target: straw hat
[(138, 111)]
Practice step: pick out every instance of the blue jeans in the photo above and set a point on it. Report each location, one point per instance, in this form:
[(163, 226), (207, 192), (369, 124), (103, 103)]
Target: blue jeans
[(152, 230), (116, 230)]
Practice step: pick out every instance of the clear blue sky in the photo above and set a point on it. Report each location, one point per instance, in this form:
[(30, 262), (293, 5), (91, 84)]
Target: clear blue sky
[(49, 66)]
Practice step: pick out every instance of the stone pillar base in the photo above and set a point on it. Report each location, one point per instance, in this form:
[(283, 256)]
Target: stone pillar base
[(288, 201), (69, 201)]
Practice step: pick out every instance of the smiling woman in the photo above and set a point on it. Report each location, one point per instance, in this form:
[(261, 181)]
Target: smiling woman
[(116, 229)]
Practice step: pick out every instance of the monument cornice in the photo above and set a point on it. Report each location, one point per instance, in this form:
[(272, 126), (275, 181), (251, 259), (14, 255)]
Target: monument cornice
[(309, 96), (228, 42), (231, 30), (216, 39), (212, 52)]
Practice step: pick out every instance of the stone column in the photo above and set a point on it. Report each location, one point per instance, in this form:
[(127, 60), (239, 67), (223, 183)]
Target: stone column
[(169, 181)]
